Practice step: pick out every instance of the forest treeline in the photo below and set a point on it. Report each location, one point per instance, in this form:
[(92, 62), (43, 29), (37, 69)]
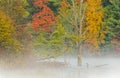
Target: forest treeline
[(55, 27)]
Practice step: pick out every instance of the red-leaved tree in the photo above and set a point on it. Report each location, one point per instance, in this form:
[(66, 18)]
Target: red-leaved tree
[(44, 18)]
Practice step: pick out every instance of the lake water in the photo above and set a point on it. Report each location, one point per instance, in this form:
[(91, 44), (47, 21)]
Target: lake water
[(91, 68)]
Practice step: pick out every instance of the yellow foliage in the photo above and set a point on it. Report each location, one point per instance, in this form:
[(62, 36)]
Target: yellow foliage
[(7, 39), (94, 16)]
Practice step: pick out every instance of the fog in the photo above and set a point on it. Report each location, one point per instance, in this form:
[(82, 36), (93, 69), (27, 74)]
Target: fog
[(92, 67)]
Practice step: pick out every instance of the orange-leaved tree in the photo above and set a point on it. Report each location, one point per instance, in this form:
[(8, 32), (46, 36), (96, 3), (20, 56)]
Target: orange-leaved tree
[(44, 18), (94, 14)]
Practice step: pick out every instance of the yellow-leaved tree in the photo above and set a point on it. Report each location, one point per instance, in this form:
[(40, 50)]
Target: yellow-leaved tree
[(95, 34), (7, 37)]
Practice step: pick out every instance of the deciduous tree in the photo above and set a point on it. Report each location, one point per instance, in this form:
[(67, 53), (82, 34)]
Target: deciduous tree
[(16, 10), (95, 30), (71, 15), (44, 18), (7, 30)]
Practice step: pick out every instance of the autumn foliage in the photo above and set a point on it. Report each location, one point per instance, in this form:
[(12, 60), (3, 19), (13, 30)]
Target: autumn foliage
[(44, 18), (94, 16), (7, 34)]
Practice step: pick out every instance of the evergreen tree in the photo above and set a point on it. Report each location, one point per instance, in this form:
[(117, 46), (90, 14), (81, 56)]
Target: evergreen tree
[(112, 19)]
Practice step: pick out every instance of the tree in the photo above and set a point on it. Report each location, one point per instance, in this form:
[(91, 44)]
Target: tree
[(7, 30), (31, 9), (44, 18), (51, 45), (105, 2), (95, 30), (112, 22), (54, 5), (16, 10), (71, 15), (112, 19)]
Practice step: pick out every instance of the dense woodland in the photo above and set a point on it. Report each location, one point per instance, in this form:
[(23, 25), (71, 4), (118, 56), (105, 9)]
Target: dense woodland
[(52, 28)]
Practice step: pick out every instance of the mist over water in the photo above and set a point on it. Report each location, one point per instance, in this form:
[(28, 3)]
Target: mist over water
[(92, 67)]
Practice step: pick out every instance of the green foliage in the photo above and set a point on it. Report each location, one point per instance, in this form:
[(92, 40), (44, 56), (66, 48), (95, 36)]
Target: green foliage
[(54, 44), (105, 2), (70, 28), (71, 15), (54, 5), (112, 19)]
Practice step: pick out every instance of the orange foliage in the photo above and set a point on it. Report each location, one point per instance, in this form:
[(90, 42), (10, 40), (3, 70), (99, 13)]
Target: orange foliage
[(94, 15), (44, 18)]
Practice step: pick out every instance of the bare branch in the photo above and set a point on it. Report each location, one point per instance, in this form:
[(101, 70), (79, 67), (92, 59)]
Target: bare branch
[(69, 21)]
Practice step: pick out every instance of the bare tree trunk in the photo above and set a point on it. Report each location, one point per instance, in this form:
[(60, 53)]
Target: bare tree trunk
[(64, 57), (77, 20), (79, 55)]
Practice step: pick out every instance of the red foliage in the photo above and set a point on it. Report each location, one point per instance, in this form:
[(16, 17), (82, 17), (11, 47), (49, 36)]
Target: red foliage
[(44, 18), (40, 3)]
